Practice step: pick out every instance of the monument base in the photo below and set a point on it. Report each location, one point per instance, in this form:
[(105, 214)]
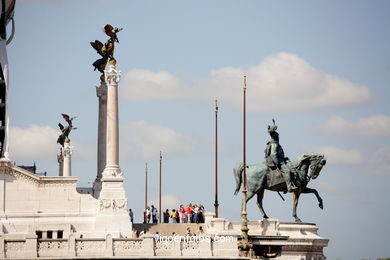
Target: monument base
[(274, 239)]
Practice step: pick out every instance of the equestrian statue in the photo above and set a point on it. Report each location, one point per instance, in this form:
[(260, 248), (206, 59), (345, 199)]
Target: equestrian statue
[(278, 173)]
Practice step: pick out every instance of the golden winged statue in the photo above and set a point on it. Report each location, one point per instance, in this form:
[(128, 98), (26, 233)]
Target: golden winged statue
[(106, 50)]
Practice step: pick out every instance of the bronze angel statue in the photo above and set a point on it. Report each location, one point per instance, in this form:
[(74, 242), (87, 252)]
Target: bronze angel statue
[(105, 50), (65, 130)]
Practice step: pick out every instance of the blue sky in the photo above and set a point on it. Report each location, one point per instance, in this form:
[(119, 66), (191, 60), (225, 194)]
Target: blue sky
[(320, 68)]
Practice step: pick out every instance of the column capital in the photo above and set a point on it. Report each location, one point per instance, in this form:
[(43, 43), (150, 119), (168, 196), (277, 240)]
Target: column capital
[(67, 150), (112, 76), (101, 91), (60, 158)]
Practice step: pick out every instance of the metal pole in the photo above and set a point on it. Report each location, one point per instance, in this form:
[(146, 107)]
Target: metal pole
[(146, 186), (216, 160), (159, 196), (244, 244)]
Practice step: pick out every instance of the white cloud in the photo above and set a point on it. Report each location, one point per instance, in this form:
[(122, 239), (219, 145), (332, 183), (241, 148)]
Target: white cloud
[(168, 201), (280, 83), (40, 143), (283, 83), (336, 155), (147, 85), (378, 162), (33, 143), (143, 140), (376, 125)]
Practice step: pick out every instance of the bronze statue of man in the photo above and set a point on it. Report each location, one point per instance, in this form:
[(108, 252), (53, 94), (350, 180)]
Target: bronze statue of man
[(275, 159)]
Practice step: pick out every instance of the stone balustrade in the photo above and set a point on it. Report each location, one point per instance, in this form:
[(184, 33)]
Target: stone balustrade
[(109, 247), (268, 237)]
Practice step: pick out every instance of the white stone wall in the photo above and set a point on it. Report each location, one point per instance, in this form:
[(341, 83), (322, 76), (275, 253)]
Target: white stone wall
[(72, 224), (29, 203)]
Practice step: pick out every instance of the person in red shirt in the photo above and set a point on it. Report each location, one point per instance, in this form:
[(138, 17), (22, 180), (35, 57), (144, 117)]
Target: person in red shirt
[(189, 213)]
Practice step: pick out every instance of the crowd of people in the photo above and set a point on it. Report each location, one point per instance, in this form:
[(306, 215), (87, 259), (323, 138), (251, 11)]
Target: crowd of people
[(189, 214)]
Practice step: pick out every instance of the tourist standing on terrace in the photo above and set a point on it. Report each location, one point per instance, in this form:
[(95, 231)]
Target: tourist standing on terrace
[(174, 215), (181, 214), (154, 214), (166, 216), (147, 213), (189, 213), (131, 214)]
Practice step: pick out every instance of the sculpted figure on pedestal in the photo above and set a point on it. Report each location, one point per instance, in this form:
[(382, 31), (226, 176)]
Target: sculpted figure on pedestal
[(275, 159), (65, 130), (106, 50), (275, 174)]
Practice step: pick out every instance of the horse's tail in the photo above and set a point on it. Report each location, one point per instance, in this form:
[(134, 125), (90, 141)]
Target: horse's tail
[(238, 176)]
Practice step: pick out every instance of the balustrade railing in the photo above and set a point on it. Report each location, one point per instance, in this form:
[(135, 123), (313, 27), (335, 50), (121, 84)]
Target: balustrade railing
[(34, 248)]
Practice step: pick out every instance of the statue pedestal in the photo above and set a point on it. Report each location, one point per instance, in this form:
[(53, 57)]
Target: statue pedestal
[(112, 209), (287, 240), (270, 238), (303, 241)]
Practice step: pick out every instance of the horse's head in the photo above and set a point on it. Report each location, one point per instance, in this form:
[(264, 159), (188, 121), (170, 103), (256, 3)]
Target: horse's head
[(317, 161)]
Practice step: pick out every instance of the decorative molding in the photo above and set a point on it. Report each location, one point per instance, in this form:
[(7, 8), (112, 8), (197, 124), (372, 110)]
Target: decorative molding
[(190, 246), (51, 245), (105, 204), (112, 76), (123, 245), (5, 162), (60, 158), (67, 150), (120, 204), (112, 172), (90, 245), (13, 246), (163, 248), (43, 182), (28, 178), (113, 205)]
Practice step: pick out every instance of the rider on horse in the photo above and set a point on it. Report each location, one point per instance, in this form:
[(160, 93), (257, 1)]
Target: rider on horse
[(275, 159)]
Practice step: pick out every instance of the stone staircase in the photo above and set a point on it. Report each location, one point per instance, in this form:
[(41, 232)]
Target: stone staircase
[(166, 229)]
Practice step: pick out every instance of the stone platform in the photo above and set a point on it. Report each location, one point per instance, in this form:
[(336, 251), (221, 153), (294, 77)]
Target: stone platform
[(270, 239)]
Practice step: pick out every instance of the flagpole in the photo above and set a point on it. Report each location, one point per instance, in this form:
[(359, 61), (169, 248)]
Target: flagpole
[(146, 186), (244, 245), (159, 196), (216, 161)]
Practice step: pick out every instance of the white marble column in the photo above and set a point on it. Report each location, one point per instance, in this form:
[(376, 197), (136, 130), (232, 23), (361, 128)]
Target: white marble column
[(101, 93), (60, 159), (112, 208), (112, 142), (67, 164)]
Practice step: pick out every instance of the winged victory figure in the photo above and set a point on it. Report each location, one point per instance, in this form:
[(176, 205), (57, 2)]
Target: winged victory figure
[(65, 130), (106, 50)]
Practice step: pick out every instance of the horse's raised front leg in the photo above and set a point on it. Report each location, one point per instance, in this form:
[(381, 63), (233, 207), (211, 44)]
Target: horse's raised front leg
[(260, 195), (295, 204), (315, 192)]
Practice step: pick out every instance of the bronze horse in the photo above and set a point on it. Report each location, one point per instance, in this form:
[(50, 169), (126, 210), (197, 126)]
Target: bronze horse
[(260, 178)]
